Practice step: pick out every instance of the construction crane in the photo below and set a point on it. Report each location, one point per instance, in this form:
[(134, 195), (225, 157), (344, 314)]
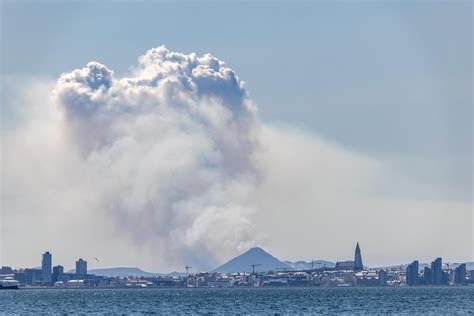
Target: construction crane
[(253, 267), (187, 269)]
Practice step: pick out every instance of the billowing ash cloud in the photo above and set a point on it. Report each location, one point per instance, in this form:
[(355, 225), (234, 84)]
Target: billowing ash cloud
[(172, 167), (170, 150)]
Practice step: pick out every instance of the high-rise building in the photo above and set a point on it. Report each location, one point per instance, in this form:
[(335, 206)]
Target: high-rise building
[(412, 274), (437, 272), (382, 277), (426, 276), (415, 273), (57, 271), (358, 259), (460, 274), (46, 264), (445, 278), (81, 267)]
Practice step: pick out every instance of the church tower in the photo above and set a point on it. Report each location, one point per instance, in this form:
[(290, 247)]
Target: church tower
[(358, 259)]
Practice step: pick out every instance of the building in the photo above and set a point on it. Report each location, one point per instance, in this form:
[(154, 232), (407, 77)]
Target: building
[(57, 272), (460, 274), (6, 270), (46, 265), (66, 277), (20, 276), (437, 272), (426, 276), (81, 267), (221, 282), (412, 274), (445, 278), (366, 278), (344, 265), (358, 259), (382, 277), (33, 276)]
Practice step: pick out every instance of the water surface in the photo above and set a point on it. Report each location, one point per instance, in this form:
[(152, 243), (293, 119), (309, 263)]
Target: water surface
[(423, 300)]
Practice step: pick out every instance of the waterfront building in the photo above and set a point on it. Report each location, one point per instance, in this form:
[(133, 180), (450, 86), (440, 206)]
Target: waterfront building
[(57, 272), (46, 265), (33, 276), (66, 277), (460, 274), (221, 282), (426, 276), (81, 267), (445, 278), (412, 274), (6, 270), (437, 272), (382, 277), (358, 259), (364, 278), (19, 275)]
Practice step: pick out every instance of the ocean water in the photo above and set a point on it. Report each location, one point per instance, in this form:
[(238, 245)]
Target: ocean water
[(266, 301)]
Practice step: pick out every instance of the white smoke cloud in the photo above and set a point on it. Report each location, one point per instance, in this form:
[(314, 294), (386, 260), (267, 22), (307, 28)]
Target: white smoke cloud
[(171, 166), (169, 150)]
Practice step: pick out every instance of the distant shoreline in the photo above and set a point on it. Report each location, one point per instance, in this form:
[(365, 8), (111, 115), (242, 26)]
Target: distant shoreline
[(243, 287)]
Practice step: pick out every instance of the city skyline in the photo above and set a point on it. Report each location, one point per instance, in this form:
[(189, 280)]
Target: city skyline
[(81, 266), (301, 130), (254, 268)]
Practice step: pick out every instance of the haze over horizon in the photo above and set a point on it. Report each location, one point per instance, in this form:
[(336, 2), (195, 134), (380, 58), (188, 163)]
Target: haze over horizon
[(290, 135)]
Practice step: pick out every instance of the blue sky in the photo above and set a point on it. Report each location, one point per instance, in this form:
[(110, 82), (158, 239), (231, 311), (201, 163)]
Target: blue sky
[(390, 80), (389, 77)]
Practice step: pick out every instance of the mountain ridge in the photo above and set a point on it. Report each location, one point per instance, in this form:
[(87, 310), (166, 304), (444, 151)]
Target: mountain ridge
[(244, 262), (127, 272), (304, 265)]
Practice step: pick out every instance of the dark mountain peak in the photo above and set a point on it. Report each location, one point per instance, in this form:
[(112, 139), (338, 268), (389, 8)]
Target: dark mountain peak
[(256, 250), (254, 256)]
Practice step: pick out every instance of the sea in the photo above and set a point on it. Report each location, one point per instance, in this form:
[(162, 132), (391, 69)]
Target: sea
[(232, 301)]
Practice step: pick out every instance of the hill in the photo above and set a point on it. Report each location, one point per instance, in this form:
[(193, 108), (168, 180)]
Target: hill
[(255, 255), (121, 272), (303, 265)]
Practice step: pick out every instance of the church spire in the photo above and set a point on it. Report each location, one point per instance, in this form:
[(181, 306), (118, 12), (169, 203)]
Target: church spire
[(358, 259)]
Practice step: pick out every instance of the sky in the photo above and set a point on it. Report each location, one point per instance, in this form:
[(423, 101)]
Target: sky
[(357, 127)]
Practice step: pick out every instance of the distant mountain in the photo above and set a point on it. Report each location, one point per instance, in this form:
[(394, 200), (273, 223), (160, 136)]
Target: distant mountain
[(469, 265), (303, 265), (120, 272), (421, 266), (176, 274), (243, 262)]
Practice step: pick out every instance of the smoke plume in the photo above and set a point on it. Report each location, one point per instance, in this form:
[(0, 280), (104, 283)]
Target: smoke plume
[(170, 166)]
